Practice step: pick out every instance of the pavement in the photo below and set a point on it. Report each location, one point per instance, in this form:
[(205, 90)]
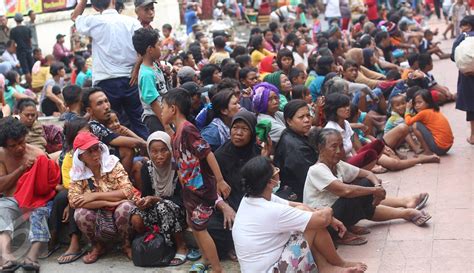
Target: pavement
[(444, 245)]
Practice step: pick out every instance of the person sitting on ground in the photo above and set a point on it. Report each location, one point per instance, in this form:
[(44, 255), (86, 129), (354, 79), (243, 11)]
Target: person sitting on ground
[(83, 71), (266, 102), (441, 94), (297, 76), (9, 55), (430, 126), (160, 202), (353, 194), (427, 46), (282, 82), (14, 91), (40, 73), (51, 100), (72, 95), (297, 239), (225, 105), (258, 52), (220, 53), (248, 77), (97, 106), (266, 66), (293, 154), (29, 117), (5, 109), (285, 61), (27, 182), (99, 181), (365, 75)]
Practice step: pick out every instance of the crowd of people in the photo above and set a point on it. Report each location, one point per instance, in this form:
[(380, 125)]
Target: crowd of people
[(267, 152)]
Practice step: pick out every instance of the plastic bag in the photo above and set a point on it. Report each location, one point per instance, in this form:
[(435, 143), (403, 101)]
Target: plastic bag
[(150, 250), (464, 56)]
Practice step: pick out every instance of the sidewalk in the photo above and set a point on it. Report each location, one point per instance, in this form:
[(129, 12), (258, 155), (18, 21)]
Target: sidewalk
[(444, 245)]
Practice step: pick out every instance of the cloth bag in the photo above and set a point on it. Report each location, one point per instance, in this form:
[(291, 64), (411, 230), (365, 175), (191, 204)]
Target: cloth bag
[(151, 250), (464, 55)]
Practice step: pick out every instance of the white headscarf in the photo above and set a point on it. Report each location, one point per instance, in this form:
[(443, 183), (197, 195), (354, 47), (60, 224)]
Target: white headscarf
[(161, 177), (80, 171)]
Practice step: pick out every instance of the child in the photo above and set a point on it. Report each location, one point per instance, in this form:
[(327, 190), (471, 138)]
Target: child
[(297, 76), (398, 105), (151, 80), (427, 46), (358, 121), (315, 108), (460, 9), (316, 26), (82, 70), (167, 46), (198, 173), (40, 73), (430, 126), (441, 94)]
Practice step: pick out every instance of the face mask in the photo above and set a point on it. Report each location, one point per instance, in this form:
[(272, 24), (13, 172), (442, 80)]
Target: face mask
[(276, 188)]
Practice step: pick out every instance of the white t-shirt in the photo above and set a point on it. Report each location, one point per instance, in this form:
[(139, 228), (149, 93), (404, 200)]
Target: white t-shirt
[(346, 134), (332, 8), (300, 60), (261, 230), (318, 179)]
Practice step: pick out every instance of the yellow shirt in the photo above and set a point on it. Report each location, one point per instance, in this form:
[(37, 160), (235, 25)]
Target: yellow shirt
[(38, 79), (257, 56), (65, 169)]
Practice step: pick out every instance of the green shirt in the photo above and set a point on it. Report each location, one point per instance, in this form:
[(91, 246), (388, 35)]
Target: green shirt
[(151, 82)]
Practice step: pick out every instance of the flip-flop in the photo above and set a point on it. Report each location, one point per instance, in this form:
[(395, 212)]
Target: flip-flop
[(198, 268), (31, 265), (75, 256), (354, 241), (359, 230), (421, 218), (193, 255), (180, 258), (10, 266), (422, 202), (50, 252)]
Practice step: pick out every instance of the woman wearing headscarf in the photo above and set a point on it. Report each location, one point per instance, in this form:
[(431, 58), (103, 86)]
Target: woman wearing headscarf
[(266, 66), (100, 192), (365, 75), (161, 202), (231, 158), (266, 102), (283, 83)]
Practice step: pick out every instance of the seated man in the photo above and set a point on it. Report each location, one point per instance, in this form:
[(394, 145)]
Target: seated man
[(27, 181), (97, 106)]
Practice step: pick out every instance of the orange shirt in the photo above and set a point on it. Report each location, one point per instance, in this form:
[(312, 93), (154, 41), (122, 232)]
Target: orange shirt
[(406, 72), (438, 125)]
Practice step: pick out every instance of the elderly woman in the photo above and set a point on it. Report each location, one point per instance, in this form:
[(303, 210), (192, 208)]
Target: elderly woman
[(161, 202), (225, 105), (101, 194), (231, 158), (283, 83), (354, 194), (293, 154), (274, 235), (266, 102)]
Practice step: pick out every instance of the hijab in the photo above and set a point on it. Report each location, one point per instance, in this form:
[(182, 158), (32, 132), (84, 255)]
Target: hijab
[(162, 178), (273, 78), (80, 171), (266, 65), (261, 93)]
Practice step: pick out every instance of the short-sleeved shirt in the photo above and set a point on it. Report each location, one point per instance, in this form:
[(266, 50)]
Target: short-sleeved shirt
[(82, 77), (218, 57), (152, 84), (190, 151), (393, 121), (22, 37), (320, 177), (190, 17), (261, 230), (8, 95), (104, 134), (346, 134), (51, 82)]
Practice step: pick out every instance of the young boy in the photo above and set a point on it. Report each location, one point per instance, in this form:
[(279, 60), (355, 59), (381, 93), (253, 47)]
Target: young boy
[(198, 173), (167, 46), (151, 80), (72, 99), (441, 94), (427, 45), (219, 52), (297, 76), (398, 105)]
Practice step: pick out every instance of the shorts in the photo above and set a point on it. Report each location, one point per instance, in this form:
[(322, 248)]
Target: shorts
[(198, 218), (296, 256), (469, 115), (429, 139), (10, 215)]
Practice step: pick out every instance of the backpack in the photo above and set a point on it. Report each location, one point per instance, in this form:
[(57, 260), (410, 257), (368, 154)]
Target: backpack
[(464, 55)]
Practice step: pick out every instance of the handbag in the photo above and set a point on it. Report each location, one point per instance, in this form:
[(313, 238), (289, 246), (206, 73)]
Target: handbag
[(151, 250), (105, 223)]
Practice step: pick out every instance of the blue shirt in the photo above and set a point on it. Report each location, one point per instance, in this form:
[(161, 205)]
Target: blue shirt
[(190, 17)]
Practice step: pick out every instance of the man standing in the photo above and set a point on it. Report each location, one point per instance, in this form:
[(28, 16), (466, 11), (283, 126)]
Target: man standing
[(32, 26), (4, 33), (145, 10), (113, 58), (21, 34), (21, 165), (191, 16)]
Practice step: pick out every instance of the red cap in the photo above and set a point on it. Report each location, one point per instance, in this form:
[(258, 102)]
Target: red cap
[(85, 140)]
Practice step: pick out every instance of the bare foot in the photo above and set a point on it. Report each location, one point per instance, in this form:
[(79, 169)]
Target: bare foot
[(470, 140), (427, 153), (354, 267), (429, 158)]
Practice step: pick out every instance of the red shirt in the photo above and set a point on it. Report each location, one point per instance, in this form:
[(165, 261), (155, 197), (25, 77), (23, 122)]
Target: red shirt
[(372, 11)]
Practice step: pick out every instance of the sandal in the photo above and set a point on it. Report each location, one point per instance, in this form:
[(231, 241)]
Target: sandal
[(178, 259), (198, 268), (10, 266), (421, 218), (92, 256), (75, 257), (359, 230), (50, 252), (352, 240), (422, 202), (30, 265), (193, 255)]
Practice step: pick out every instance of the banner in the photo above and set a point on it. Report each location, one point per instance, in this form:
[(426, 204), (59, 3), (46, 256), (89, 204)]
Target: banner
[(52, 5), (22, 6)]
